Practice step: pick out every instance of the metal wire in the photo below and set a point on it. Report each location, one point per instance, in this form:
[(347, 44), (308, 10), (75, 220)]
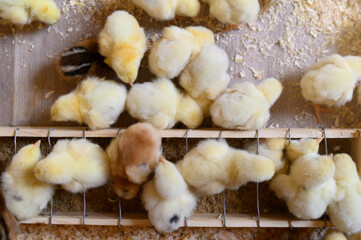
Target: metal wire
[(324, 134), (224, 193), (15, 135), (49, 142), (185, 218), (258, 211), (84, 199), (119, 200), (326, 151), (120, 212), (289, 166), (187, 140), (84, 208), (51, 201), (224, 210)]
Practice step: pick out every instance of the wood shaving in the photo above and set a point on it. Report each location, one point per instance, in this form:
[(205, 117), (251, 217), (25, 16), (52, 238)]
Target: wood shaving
[(48, 94)]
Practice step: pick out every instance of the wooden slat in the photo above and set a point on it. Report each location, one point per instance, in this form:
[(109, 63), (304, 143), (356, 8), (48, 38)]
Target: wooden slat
[(181, 133), (197, 220)]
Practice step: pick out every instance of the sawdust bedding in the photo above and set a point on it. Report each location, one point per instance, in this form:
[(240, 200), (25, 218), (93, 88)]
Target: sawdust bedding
[(330, 26)]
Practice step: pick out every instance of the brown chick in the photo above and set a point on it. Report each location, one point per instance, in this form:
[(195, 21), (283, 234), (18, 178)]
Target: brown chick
[(124, 188), (133, 156), (75, 63), (9, 226)]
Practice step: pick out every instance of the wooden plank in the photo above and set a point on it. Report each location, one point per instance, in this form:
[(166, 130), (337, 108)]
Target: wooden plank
[(181, 133), (7, 87), (196, 220)]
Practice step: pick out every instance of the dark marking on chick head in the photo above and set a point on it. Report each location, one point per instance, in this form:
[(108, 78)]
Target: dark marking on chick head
[(174, 219), (17, 198), (77, 61)]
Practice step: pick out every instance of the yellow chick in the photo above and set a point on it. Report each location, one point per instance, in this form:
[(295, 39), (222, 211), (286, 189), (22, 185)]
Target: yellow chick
[(170, 54), (25, 196), (161, 104), (206, 77), (331, 81), (309, 187), (271, 148), (25, 11), (123, 43), (167, 198), (345, 210), (234, 11), (75, 164), (213, 166), (246, 106), (167, 9), (334, 235), (95, 102), (298, 148)]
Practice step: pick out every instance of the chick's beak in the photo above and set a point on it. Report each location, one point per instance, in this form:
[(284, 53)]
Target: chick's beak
[(37, 144), (131, 84), (162, 159)]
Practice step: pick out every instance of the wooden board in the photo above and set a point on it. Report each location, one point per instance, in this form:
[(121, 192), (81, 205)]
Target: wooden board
[(182, 133), (196, 220), (28, 74)]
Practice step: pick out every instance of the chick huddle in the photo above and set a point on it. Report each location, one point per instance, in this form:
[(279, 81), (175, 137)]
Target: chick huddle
[(315, 184)]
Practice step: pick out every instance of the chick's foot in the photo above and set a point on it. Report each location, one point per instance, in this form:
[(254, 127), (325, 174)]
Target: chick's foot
[(319, 109), (232, 27)]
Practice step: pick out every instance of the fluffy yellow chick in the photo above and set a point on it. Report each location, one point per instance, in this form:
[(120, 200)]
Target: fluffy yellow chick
[(309, 187), (331, 81), (334, 235), (25, 196), (170, 54), (167, 198), (95, 102), (161, 104), (298, 148), (213, 166), (246, 106), (271, 148), (25, 11), (167, 9), (123, 43), (234, 11), (75, 164), (345, 210), (206, 77)]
